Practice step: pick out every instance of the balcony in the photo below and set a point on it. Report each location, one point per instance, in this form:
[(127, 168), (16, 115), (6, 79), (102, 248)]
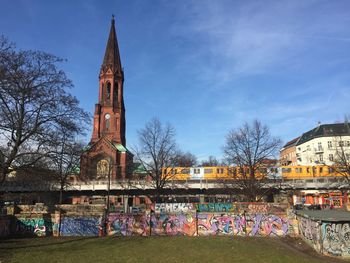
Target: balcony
[(319, 150)]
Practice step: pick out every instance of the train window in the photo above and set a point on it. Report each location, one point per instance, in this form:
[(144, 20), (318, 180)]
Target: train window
[(196, 171), (330, 170), (299, 170), (321, 170), (220, 170), (286, 170), (308, 169), (208, 171), (185, 171)]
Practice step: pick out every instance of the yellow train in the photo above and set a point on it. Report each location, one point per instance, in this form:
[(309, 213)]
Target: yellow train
[(231, 172)]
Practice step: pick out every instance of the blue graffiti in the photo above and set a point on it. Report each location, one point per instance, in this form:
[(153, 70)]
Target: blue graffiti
[(80, 226)]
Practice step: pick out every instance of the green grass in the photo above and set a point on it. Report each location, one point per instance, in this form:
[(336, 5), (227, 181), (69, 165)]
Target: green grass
[(157, 249)]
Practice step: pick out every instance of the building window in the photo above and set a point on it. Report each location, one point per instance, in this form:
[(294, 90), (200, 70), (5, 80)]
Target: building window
[(320, 146), (348, 143), (329, 145), (308, 148), (347, 156), (331, 157), (341, 144), (115, 94), (321, 158)]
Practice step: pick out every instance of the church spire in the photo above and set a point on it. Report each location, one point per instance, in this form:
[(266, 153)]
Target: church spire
[(112, 57)]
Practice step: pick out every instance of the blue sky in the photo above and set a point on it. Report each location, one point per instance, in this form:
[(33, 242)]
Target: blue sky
[(203, 66)]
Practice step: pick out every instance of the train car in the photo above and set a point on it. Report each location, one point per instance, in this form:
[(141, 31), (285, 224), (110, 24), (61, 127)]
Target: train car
[(233, 172), (217, 173), (305, 172)]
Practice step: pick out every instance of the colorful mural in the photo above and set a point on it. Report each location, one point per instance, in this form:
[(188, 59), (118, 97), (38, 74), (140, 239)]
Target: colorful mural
[(34, 226), (128, 225), (247, 225), (174, 224)]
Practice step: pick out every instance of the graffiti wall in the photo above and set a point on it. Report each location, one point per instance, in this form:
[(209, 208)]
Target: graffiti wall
[(336, 239), (174, 224), (330, 238), (38, 226), (5, 226), (128, 224), (81, 226), (242, 225), (244, 219), (309, 230)]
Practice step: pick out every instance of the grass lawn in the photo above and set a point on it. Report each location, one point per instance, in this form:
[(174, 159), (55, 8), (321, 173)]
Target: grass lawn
[(158, 249)]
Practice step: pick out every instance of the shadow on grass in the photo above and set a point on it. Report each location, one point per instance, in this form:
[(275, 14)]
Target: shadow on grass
[(59, 241)]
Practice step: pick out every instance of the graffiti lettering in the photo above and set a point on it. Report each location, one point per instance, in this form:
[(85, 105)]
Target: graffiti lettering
[(215, 207), (258, 208), (173, 208)]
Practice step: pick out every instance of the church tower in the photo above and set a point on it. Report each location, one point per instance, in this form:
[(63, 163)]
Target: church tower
[(106, 155), (109, 117)]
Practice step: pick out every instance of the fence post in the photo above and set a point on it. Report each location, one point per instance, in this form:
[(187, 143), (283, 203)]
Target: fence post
[(150, 222), (245, 223), (197, 222)]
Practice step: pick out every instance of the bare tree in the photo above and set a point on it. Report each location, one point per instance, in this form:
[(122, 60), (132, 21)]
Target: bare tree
[(212, 161), (341, 158), (63, 158), (182, 159), (34, 103), (156, 152), (247, 149)]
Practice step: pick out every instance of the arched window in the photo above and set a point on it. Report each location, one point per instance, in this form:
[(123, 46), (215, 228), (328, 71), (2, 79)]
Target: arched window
[(108, 91), (102, 169)]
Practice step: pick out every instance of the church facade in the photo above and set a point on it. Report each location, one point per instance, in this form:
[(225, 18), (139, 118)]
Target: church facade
[(106, 156)]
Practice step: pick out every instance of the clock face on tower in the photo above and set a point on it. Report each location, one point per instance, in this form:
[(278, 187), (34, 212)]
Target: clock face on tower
[(107, 116)]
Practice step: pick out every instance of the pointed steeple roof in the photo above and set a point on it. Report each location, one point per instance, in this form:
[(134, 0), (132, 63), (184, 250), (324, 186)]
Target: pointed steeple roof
[(112, 57)]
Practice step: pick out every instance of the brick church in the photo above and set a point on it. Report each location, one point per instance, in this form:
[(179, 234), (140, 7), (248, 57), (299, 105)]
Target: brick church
[(106, 155)]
